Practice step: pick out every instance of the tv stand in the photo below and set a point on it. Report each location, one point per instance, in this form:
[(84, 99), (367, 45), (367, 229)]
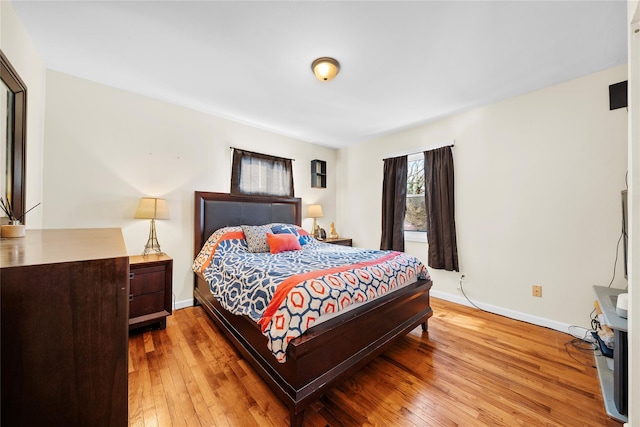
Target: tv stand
[(614, 384)]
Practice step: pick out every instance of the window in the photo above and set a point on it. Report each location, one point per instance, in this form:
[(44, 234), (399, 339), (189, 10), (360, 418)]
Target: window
[(261, 174), (415, 220)]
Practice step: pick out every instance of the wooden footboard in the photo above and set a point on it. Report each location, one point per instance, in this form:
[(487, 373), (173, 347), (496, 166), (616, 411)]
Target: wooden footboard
[(329, 352)]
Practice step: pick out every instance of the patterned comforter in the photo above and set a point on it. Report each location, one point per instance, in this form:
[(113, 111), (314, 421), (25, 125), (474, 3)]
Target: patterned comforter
[(286, 293)]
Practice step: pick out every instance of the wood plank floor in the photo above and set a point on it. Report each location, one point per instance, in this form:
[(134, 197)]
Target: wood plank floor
[(471, 369)]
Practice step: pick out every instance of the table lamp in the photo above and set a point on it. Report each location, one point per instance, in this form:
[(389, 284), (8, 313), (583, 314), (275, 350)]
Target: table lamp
[(314, 211), (152, 208)]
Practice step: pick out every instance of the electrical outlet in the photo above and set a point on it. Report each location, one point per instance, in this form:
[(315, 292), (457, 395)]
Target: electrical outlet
[(536, 291)]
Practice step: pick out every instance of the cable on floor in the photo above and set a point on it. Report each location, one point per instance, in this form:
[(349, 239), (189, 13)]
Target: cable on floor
[(583, 347)]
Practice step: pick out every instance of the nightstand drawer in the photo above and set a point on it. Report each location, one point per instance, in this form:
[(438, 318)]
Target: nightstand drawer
[(147, 280), (146, 304)]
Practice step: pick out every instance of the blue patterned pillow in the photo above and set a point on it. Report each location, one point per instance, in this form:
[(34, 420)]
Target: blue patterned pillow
[(284, 228), (256, 237), (306, 239), (289, 229)]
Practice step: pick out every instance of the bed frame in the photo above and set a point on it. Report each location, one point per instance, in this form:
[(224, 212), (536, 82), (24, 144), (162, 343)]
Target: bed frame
[(325, 354)]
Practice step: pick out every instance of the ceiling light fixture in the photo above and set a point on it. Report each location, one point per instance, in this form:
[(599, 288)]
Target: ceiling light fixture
[(325, 68)]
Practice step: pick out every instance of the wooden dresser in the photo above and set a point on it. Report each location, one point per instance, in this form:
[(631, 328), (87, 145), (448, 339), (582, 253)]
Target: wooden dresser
[(64, 302)]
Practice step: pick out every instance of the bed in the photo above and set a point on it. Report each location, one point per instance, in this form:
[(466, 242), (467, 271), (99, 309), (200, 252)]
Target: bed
[(326, 353)]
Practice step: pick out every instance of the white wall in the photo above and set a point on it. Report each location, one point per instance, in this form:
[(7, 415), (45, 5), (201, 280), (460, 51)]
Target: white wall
[(105, 148), (538, 180), (633, 13), (18, 48)]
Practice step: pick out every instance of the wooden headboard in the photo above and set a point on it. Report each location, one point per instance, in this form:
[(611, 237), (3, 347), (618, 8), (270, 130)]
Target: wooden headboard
[(217, 210)]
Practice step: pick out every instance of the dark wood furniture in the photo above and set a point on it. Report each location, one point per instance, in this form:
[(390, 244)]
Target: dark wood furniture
[(150, 290), (327, 353), (318, 174), (338, 241), (64, 328)]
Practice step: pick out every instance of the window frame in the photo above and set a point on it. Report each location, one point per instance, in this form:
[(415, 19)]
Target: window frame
[(415, 235)]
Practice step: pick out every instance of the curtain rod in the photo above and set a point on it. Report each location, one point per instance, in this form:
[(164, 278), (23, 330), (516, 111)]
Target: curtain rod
[(253, 152), (416, 152)]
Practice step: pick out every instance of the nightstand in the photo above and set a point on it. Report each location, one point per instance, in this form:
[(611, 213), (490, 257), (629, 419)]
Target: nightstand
[(150, 290), (338, 241)]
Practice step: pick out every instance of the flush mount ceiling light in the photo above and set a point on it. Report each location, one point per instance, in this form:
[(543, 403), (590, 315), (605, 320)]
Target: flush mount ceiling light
[(325, 68)]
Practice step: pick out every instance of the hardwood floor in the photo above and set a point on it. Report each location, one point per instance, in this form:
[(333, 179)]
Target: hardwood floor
[(471, 369)]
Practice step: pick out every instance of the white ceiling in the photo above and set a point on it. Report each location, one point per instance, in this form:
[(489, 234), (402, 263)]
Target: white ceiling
[(402, 63)]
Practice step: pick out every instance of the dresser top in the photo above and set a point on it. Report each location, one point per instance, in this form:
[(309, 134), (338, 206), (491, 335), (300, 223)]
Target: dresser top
[(61, 245)]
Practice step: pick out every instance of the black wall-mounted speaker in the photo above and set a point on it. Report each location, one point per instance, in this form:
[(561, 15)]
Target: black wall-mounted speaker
[(618, 95)]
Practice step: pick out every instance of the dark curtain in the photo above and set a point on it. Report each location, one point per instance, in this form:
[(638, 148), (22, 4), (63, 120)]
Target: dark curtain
[(394, 200), (439, 199), (261, 174)]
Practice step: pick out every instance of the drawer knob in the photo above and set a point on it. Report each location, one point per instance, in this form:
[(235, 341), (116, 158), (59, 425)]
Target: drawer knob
[(130, 297), (130, 275)]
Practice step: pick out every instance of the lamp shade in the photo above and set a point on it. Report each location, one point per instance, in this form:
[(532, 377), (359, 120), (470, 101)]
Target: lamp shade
[(314, 211), (152, 208), (325, 68)]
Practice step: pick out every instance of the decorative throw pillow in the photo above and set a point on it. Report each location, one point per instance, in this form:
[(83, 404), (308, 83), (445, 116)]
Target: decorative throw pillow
[(284, 229), (256, 237), (306, 239), (297, 231), (282, 242)]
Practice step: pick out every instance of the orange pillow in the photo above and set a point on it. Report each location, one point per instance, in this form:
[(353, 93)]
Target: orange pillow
[(282, 242)]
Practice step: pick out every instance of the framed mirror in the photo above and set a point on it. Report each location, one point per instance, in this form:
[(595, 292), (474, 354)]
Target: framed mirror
[(13, 115)]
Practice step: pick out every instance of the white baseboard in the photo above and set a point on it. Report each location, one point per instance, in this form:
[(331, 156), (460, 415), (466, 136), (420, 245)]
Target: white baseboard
[(512, 314), (177, 305)]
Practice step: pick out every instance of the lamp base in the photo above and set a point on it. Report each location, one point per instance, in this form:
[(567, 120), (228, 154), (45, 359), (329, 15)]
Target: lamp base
[(152, 247)]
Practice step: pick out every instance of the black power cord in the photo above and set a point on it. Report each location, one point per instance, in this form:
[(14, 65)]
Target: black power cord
[(615, 262), (592, 346), (465, 295), (583, 347)]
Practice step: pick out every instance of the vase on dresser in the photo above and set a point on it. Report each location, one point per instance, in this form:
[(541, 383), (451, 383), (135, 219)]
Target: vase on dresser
[(13, 229)]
